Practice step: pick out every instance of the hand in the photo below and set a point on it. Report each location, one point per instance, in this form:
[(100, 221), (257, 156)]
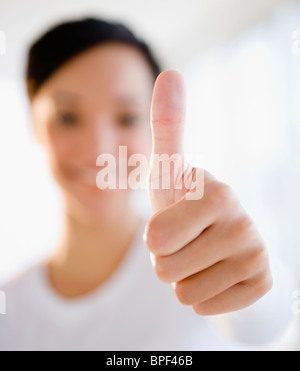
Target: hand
[(209, 247)]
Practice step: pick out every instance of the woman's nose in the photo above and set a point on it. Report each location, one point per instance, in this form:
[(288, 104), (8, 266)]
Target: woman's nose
[(101, 138)]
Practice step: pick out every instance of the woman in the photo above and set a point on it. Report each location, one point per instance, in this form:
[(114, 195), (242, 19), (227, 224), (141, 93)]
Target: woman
[(90, 84)]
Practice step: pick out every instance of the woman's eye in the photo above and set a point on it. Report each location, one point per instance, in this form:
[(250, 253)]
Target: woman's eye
[(129, 120), (67, 118)]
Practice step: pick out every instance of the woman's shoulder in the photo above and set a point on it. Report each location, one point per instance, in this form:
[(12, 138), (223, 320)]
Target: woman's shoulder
[(16, 306), (23, 282)]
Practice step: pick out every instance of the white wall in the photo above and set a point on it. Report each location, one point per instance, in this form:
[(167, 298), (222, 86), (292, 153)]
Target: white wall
[(177, 29), (243, 110)]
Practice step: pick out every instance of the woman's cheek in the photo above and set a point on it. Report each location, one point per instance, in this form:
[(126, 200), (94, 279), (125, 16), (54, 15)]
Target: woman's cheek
[(61, 153), (140, 143)]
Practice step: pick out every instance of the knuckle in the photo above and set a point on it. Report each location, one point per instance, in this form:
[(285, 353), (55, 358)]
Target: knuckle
[(205, 309), (201, 309), (243, 237), (256, 262), (244, 226), (261, 258), (164, 269), (264, 284), (224, 193), (182, 293), (268, 283), (154, 235), (221, 195), (243, 231)]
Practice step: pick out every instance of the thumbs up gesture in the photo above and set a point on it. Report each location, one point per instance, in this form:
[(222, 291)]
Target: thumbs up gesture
[(201, 239)]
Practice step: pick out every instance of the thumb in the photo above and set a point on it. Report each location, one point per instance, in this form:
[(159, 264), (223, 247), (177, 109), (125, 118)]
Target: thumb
[(167, 119), (168, 113)]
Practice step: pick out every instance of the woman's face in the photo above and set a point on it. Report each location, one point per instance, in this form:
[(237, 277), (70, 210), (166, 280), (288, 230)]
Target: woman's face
[(96, 102)]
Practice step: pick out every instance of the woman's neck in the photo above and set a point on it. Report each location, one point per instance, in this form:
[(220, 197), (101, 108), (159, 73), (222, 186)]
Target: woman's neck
[(90, 252)]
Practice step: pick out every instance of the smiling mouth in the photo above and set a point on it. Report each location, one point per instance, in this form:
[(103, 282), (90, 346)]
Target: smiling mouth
[(86, 177)]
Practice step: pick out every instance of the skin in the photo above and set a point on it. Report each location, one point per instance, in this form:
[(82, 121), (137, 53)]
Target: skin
[(95, 103), (209, 249)]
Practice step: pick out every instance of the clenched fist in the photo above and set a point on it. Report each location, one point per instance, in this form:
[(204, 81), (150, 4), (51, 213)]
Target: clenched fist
[(208, 248)]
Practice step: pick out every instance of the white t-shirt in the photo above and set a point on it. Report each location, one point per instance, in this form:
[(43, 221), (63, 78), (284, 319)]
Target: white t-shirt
[(132, 311)]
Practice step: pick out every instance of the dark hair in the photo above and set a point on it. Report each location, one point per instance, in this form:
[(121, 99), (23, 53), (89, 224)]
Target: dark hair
[(69, 39)]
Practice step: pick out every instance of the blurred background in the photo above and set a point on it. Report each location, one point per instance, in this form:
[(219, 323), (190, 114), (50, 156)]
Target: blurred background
[(241, 61)]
